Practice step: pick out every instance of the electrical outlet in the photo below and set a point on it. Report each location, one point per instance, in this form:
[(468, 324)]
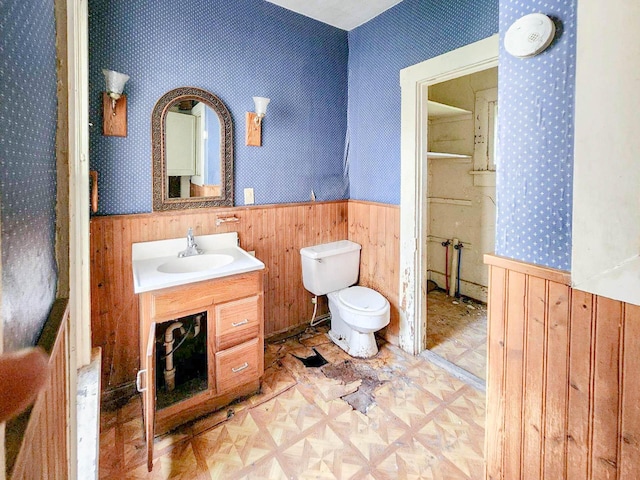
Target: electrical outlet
[(248, 196)]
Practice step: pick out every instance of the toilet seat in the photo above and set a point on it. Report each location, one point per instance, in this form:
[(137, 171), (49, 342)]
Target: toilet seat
[(356, 314), (362, 299)]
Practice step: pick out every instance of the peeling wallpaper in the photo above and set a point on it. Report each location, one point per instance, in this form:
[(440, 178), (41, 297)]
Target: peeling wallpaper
[(236, 49), (28, 116)]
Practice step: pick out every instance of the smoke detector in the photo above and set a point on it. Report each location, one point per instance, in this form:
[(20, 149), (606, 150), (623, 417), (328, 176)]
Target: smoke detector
[(529, 35)]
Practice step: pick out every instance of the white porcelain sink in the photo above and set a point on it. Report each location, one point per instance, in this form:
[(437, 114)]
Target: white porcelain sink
[(156, 264), (195, 263)]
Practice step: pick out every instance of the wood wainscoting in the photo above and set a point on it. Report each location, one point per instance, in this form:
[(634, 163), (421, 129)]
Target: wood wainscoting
[(376, 226), (275, 232), (563, 400), (37, 439)]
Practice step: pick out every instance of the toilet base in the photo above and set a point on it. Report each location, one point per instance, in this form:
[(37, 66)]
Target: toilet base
[(360, 345)]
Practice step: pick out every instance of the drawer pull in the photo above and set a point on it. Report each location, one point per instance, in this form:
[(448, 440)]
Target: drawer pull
[(139, 381), (243, 322), (240, 368)]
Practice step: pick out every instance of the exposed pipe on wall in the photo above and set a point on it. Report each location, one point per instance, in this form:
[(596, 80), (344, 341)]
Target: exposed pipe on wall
[(458, 247), (454, 270), (446, 262)]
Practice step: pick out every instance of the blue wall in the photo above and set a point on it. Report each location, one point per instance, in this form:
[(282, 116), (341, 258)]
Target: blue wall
[(302, 65), (535, 176), (409, 33), (534, 183), (28, 116), (236, 49)]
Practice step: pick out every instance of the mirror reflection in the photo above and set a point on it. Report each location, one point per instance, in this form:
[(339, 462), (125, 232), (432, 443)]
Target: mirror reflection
[(192, 146)]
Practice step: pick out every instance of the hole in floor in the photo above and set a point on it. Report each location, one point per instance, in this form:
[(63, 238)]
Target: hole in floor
[(347, 372), (313, 361)]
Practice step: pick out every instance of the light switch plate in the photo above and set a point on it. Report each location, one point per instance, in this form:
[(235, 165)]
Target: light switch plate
[(248, 196)]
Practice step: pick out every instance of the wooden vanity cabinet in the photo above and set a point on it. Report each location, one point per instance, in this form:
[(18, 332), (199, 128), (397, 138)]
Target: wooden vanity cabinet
[(234, 310)]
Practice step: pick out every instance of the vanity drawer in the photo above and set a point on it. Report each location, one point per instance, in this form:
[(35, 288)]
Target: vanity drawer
[(169, 303), (237, 366), (237, 322)]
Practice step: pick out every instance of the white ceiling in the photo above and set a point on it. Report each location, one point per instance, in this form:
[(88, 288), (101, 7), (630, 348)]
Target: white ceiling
[(344, 14)]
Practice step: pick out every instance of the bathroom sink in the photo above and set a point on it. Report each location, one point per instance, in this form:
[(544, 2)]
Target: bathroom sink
[(156, 264), (195, 263)]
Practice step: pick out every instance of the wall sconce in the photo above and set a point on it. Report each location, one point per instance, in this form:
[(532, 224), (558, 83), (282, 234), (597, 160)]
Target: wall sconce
[(254, 122), (114, 104)]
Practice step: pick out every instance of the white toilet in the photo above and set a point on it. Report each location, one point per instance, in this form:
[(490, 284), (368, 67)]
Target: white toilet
[(356, 312)]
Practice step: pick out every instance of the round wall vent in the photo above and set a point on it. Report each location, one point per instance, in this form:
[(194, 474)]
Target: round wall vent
[(529, 35)]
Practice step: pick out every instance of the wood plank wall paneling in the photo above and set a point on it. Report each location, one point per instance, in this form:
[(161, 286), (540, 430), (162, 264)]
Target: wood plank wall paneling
[(376, 227), (275, 232), (562, 398), (43, 452)]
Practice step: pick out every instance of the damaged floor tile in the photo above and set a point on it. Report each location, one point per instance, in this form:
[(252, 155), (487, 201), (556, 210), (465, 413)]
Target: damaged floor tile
[(391, 416)]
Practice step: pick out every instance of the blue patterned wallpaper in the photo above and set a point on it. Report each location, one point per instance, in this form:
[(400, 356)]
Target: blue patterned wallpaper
[(535, 176), (28, 116), (302, 65), (534, 184), (408, 33), (236, 49)]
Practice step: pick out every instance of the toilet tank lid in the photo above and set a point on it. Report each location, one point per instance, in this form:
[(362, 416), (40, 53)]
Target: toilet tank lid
[(328, 249)]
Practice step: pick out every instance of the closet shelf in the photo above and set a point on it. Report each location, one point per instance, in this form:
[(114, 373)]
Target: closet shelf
[(441, 110), (444, 156), (450, 201)]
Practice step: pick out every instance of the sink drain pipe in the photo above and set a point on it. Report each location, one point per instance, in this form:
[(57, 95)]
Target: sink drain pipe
[(169, 369), (169, 340)]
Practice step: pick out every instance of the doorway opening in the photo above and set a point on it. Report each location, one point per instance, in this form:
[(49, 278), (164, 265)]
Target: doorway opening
[(461, 209), (415, 82)]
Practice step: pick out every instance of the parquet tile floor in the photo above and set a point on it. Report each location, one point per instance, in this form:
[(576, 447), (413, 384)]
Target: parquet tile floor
[(458, 331), (420, 423)]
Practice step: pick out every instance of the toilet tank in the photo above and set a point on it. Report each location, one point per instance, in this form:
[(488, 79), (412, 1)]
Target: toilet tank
[(330, 266)]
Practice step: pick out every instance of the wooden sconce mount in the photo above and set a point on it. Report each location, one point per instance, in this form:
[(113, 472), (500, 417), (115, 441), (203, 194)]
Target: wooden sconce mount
[(114, 122), (254, 130)]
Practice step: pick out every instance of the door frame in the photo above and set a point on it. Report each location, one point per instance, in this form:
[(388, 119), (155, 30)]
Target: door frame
[(414, 83), (79, 327)]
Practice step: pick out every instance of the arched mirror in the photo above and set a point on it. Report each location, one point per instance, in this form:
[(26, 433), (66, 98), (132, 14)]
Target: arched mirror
[(192, 149)]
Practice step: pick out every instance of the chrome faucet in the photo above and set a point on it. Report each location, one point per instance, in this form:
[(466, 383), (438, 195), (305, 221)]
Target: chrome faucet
[(192, 246)]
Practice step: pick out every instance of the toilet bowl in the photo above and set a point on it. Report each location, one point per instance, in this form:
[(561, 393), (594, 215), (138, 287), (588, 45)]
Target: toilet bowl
[(356, 313)]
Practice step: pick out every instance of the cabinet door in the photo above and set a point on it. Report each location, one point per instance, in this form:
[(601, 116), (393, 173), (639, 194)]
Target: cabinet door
[(149, 393)]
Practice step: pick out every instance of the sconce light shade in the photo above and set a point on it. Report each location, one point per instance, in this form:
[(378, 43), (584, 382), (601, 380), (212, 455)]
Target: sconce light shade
[(254, 122), (261, 105), (115, 82), (114, 104)]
